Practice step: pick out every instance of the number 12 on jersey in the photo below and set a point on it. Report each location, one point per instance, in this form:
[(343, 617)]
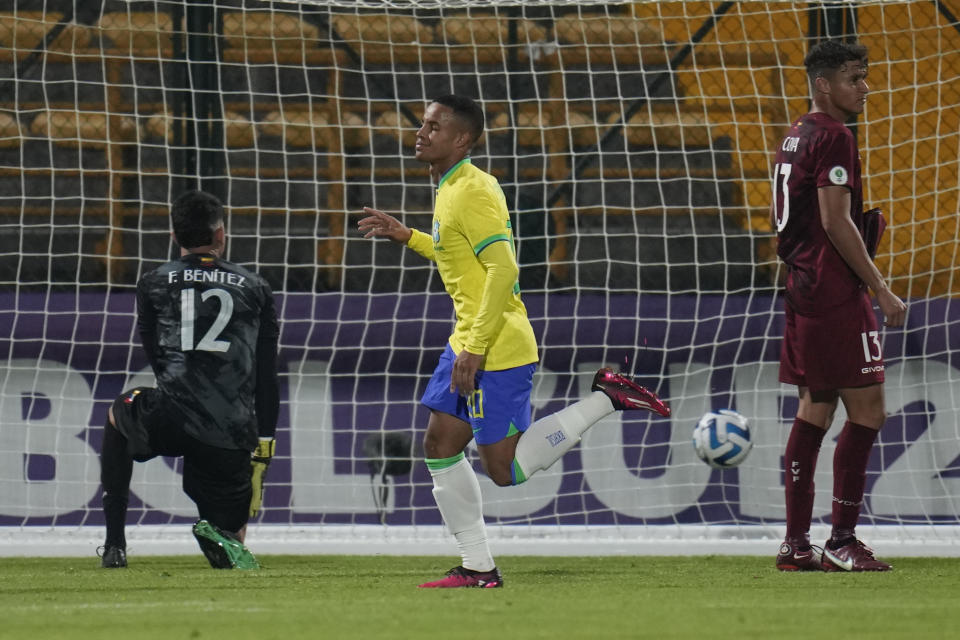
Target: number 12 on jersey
[(188, 316)]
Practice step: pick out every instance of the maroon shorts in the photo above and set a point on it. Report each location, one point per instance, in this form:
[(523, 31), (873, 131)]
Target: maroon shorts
[(838, 350)]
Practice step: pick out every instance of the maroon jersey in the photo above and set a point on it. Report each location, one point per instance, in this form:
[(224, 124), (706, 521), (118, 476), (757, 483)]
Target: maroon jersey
[(818, 151)]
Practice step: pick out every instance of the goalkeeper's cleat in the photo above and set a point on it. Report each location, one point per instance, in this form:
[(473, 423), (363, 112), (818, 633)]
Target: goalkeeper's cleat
[(626, 394), (791, 558), (112, 556), (853, 556), (223, 550), (460, 577)]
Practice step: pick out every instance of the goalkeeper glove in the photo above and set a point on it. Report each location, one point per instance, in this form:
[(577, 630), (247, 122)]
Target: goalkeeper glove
[(259, 461)]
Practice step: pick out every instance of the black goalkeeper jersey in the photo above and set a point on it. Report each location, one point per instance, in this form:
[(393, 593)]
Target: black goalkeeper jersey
[(210, 330)]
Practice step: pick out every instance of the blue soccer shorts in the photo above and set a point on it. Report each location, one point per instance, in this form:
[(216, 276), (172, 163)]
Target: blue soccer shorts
[(497, 409)]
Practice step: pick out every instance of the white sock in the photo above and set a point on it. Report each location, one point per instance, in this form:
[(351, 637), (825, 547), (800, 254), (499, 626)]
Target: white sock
[(457, 492), (550, 437)]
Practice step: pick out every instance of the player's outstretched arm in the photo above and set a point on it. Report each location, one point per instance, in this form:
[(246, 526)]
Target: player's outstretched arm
[(377, 224)]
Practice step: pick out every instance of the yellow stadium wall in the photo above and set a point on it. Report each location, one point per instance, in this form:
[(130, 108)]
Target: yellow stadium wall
[(909, 134)]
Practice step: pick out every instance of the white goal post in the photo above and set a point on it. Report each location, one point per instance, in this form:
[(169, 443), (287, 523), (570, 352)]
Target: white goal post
[(634, 143)]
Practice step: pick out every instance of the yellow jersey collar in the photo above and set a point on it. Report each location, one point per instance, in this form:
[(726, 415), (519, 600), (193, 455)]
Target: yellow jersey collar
[(451, 171)]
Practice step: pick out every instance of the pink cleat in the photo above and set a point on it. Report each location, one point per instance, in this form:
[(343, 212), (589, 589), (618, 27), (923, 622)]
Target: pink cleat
[(460, 577), (625, 394)]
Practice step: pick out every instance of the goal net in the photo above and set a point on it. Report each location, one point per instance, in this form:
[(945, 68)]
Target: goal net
[(633, 142)]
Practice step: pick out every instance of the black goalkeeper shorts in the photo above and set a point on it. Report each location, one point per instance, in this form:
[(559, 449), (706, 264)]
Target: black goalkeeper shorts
[(216, 479)]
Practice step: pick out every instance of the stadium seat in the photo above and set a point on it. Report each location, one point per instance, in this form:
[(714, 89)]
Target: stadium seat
[(487, 30), (97, 131), (616, 54), (301, 127), (10, 132), (391, 123), (535, 127), (656, 127), (381, 38), (87, 128), (23, 31), (268, 30), (671, 129), (544, 135), (476, 39), (594, 55), (317, 130), (380, 29), (608, 40), (141, 31), (584, 130), (238, 130), (601, 29)]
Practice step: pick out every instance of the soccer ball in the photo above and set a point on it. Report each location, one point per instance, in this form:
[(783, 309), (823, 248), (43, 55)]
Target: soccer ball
[(722, 439)]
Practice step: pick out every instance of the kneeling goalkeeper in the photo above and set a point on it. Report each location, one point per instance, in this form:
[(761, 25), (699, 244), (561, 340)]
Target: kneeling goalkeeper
[(210, 331)]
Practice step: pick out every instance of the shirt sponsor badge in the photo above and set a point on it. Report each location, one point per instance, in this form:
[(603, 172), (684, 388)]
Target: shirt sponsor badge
[(838, 175)]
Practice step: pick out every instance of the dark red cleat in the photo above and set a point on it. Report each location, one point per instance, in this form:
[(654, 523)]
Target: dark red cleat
[(790, 558), (460, 577), (853, 556), (625, 394)]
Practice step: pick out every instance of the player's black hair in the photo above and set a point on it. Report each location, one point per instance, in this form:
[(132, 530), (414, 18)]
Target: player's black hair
[(467, 110), (829, 55), (194, 217)]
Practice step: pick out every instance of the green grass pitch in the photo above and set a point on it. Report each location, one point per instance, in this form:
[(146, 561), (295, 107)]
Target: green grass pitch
[(330, 597)]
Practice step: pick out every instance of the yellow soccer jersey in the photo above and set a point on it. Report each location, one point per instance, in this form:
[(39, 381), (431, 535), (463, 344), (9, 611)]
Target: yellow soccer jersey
[(472, 244)]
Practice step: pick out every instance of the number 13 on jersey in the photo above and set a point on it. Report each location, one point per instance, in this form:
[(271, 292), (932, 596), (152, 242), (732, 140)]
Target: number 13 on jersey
[(781, 173), (871, 342)]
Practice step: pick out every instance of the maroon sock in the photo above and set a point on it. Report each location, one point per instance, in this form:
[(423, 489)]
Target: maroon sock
[(800, 462), (850, 477)]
